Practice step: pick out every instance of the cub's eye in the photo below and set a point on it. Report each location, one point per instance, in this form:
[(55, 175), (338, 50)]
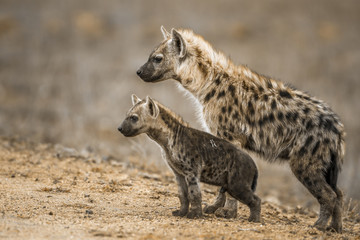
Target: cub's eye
[(134, 118), (158, 59)]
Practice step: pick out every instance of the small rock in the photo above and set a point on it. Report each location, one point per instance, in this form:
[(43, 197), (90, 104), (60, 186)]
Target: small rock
[(86, 195), (51, 213), (89, 211)]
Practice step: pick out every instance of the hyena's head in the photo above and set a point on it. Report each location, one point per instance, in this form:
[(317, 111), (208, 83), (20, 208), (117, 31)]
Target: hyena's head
[(165, 58), (141, 117)]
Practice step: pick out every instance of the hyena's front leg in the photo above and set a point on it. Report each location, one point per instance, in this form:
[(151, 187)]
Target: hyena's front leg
[(194, 194), (219, 202), (183, 196)]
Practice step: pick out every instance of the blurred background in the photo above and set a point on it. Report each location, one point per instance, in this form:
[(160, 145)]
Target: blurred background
[(67, 68)]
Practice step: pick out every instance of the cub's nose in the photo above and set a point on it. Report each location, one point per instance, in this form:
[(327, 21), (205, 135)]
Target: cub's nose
[(138, 72), (120, 129)]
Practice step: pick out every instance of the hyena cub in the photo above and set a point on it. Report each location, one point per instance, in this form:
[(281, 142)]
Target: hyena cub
[(195, 156), (259, 114)]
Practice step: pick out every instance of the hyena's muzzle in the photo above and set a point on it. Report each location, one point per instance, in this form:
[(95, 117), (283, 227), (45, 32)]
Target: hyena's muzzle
[(127, 130)]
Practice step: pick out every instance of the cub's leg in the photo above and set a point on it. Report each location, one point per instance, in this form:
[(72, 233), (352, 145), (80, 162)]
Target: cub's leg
[(183, 196), (194, 194), (219, 202)]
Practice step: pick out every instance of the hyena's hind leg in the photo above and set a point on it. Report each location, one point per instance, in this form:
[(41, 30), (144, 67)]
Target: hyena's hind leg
[(219, 202), (229, 210), (313, 179), (336, 221)]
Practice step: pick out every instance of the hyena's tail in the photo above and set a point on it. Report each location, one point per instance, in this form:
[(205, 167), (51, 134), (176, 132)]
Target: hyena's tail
[(254, 183), (336, 160)]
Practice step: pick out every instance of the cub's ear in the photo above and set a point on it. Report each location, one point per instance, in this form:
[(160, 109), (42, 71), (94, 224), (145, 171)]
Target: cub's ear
[(165, 33), (152, 107), (135, 99), (178, 43)]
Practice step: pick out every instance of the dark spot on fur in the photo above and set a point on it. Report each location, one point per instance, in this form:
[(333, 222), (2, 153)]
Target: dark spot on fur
[(309, 140), (226, 119), (230, 138), (209, 95), (289, 116), (269, 85), (232, 90), (326, 141), (306, 110), (309, 125), (236, 115), (217, 81), (255, 97), (261, 89), (315, 148), (231, 128), (251, 108), (279, 131), (220, 118), (236, 101), (223, 109), (221, 94), (261, 134), (273, 104), (285, 94), (302, 151), (271, 117), (280, 116), (248, 120), (229, 109), (265, 97)]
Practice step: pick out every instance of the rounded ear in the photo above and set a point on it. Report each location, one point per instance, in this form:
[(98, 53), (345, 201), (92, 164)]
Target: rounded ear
[(165, 33), (152, 107), (135, 99), (178, 43)]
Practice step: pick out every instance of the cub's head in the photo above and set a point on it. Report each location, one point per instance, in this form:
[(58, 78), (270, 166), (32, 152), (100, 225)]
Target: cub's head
[(140, 118), (165, 59)]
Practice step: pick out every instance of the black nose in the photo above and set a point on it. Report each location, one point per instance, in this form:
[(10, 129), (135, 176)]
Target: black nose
[(120, 129), (138, 72)]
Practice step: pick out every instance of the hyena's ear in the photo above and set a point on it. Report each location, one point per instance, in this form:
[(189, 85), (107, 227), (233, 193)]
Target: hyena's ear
[(178, 43), (135, 99), (152, 107), (165, 33)]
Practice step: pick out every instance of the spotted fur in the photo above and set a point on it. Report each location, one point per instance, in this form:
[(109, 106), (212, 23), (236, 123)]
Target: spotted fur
[(262, 115), (195, 156)]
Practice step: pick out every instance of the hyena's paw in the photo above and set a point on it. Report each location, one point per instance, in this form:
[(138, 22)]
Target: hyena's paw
[(254, 218), (226, 212), (210, 209), (194, 214), (179, 213), (334, 227)]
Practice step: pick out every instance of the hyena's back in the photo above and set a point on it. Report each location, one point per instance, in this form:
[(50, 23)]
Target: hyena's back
[(276, 122)]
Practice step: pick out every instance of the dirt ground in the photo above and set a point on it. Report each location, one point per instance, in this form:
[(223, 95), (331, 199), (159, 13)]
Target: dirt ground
[(54, 192)]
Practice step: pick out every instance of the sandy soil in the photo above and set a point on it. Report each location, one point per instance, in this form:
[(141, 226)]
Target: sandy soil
[(49, 191)]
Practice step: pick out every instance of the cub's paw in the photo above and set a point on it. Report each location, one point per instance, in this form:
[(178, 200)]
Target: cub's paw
[(179, 213), (194, 214), (226, 213), (210, 209)]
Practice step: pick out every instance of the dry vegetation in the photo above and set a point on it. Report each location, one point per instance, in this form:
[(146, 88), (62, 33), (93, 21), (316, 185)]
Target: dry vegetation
[(46, 194)]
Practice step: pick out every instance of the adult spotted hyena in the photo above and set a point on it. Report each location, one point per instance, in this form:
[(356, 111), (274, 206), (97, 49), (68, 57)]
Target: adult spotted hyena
[(195, 156), (259, 114)]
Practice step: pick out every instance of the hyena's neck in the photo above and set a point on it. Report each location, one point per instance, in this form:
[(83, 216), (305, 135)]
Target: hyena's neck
[(167, 128), (204, 75)]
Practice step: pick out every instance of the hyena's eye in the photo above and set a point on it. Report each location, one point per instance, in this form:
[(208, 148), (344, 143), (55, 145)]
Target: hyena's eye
[(134, 118), (158, 59)]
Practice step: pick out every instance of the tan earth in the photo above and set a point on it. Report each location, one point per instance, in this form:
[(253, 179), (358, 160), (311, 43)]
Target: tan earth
[(54, 192)]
